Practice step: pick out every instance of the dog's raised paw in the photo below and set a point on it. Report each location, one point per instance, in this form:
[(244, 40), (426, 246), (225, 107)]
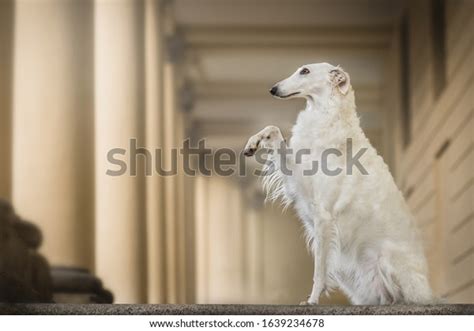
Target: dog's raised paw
[(252, 146), (249, 151)]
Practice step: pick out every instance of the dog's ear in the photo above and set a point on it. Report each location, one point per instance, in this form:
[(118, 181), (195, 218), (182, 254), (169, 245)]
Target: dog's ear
[(341, 80)]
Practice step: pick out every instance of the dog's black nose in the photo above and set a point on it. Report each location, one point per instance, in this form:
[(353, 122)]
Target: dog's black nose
[(274, 90)]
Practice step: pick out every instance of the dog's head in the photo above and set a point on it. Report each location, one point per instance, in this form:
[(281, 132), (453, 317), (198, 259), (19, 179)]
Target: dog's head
[(313, 81)]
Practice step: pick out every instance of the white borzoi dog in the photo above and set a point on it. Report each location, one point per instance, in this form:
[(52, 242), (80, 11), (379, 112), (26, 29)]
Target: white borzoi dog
[(358, 226)]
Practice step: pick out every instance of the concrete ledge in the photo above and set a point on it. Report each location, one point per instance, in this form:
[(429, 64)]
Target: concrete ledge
[(119, 309)]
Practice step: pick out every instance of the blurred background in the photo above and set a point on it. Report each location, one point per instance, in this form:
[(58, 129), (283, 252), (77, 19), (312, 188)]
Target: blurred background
[(78, 78)]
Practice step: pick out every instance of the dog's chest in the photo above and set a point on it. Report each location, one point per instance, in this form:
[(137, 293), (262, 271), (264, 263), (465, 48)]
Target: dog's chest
[(316, 189), (317, 177)]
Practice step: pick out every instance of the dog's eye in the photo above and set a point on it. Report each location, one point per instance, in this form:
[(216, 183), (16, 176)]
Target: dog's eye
[(304, 71)]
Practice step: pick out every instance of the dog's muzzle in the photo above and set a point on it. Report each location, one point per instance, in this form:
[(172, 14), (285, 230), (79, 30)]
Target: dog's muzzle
[(274, 90)]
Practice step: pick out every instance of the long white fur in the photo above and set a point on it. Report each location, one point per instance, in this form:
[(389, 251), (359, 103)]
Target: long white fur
[(358, 227)]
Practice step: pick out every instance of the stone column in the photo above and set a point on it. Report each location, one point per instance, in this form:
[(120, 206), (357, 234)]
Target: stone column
[(180, 202), (120, 114), (238, 240), (202, 239), (53, 125), (6, 84), (189, 236), (156, 257), (171, 129), (170, 185), (255, 237), (225, 252)]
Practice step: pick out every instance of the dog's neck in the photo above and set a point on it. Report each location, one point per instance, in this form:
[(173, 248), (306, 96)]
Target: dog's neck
[(332, 119), (333, 103)]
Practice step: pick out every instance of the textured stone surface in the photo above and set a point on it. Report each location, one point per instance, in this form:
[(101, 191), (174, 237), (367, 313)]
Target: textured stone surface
[(111, 309)]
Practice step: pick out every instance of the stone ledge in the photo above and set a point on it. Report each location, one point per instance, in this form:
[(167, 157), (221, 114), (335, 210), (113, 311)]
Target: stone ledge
[(142, 309)]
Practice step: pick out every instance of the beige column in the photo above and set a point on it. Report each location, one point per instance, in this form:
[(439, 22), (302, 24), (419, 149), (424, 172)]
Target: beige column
[(156, 262), (180, 205), (220, 249), (177, 134), (225, 251), (190, 238), (189, 233), (53, 125), (202, 243), (170, 185), (170, 142), (120, 208), (6, 90), (238, 239), (255, 237)]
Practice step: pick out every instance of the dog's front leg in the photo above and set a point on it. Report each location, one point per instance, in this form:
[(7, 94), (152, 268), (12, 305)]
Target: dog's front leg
[(269, 137), (320, 252)]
